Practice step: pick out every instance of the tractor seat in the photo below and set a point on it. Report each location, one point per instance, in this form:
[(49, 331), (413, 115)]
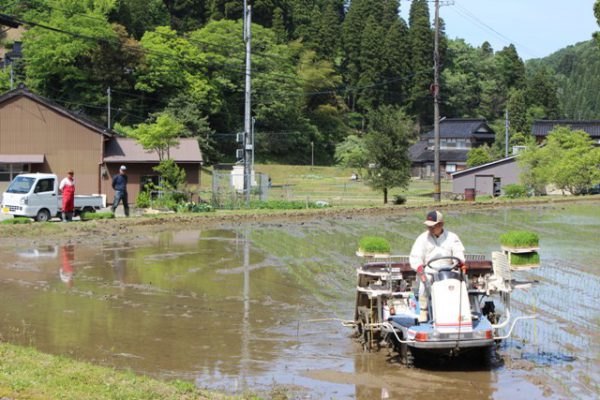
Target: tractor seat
[(403, 320)]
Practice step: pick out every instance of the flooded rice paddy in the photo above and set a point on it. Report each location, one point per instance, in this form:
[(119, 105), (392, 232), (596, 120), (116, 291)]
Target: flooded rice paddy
[(245, 308)]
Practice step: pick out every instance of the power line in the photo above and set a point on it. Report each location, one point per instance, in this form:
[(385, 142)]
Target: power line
[(468, 15)]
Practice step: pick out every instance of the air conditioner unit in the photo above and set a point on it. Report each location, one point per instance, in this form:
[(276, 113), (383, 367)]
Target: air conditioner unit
[(239, 154), (239, 138)]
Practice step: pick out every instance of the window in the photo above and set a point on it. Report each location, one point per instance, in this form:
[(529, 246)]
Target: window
[(450, 168), (9, 171), (44, 185)]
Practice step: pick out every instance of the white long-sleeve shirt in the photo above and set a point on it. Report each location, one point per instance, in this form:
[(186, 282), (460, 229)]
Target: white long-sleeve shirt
[(427, 247), (66, 182)]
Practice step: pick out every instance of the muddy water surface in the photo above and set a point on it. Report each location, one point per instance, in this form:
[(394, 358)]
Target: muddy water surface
[(246, 308)]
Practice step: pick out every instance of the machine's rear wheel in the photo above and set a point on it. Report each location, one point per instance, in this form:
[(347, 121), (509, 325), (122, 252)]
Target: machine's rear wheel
[(406, 356)]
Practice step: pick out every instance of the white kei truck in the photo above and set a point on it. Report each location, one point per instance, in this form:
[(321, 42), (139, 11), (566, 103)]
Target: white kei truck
[(36, 196)]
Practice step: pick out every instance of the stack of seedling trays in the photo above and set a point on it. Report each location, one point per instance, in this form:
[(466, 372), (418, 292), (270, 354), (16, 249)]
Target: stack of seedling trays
[(373, 247), (521, 249)]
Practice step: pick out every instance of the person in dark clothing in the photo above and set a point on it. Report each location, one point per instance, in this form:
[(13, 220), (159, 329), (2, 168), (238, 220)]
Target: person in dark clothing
[(119, 184)]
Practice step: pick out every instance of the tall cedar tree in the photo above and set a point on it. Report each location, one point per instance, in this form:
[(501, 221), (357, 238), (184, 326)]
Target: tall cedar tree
[(396, 51), (370, 95), (541, 91), (186, 15), (279, 26), (517, 112), (421, 45), (329, 31), (512, 68)]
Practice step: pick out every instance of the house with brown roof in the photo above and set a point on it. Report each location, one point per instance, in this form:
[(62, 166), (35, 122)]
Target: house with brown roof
[(457, 137), (37, 135)]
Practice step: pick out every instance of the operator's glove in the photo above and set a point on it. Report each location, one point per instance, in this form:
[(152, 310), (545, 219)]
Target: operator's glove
[(420, 273), (463, 267)]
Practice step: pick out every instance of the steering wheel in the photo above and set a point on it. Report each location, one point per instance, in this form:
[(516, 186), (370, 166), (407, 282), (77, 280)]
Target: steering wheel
[(455, 263)]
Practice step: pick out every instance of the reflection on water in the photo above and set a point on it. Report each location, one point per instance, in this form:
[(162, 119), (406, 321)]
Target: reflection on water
[(230, 309), (67, 256)]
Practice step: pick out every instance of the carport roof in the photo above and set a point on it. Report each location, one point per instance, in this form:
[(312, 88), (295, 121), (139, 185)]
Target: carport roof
[(21, 158)]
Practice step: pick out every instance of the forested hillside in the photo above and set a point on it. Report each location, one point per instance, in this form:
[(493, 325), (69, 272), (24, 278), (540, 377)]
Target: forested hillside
[(577, 70), (319, 67)]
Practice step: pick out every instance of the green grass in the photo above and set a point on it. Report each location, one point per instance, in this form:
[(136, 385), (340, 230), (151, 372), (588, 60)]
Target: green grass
[(330, 184), (28, 374), (86, 216), (519, 239), (374, 244), (17, 220)]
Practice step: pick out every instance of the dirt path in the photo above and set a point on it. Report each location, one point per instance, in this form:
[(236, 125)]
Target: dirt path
[(139, 228)]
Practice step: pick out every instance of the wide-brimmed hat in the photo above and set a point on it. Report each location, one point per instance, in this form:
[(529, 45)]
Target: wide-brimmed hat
[(433, 218)]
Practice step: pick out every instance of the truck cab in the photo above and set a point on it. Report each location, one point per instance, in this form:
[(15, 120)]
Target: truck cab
[(36, 196)]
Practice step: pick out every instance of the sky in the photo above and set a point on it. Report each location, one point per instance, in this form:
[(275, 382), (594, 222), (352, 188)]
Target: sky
[(537, 28)]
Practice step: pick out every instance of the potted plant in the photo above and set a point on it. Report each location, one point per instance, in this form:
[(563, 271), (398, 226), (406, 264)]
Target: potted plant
[(373, 246)]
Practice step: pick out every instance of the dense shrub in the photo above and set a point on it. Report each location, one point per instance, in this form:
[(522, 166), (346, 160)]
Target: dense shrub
[(143, 200), (514, 191), (399, 199), (194, 207)]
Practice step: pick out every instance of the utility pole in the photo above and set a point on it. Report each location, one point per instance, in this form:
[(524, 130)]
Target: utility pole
[(506, 133), (248, 140), (312, 154), (12, 77), (436, 107), (108, 110)]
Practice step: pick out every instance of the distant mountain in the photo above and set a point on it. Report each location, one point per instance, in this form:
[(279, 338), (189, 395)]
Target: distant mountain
[(577, 70)]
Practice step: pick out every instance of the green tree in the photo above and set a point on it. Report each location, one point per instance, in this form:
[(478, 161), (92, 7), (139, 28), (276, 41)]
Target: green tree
[(371, 54), (511, 67), (195, 125), (328, 42), (421, 49), (479, 156), (597, 15), (569, 160), (542, 91), (517, 112), (352, 153), (160, 135), (387, 142), (187, 15), (138, 16), (61, 66), (396, 59)]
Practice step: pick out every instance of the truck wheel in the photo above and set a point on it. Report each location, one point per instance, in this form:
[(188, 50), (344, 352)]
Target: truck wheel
[(43, 216)]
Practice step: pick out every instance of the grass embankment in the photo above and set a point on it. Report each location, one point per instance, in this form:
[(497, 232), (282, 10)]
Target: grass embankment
[(28, 374), (330, 184)]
